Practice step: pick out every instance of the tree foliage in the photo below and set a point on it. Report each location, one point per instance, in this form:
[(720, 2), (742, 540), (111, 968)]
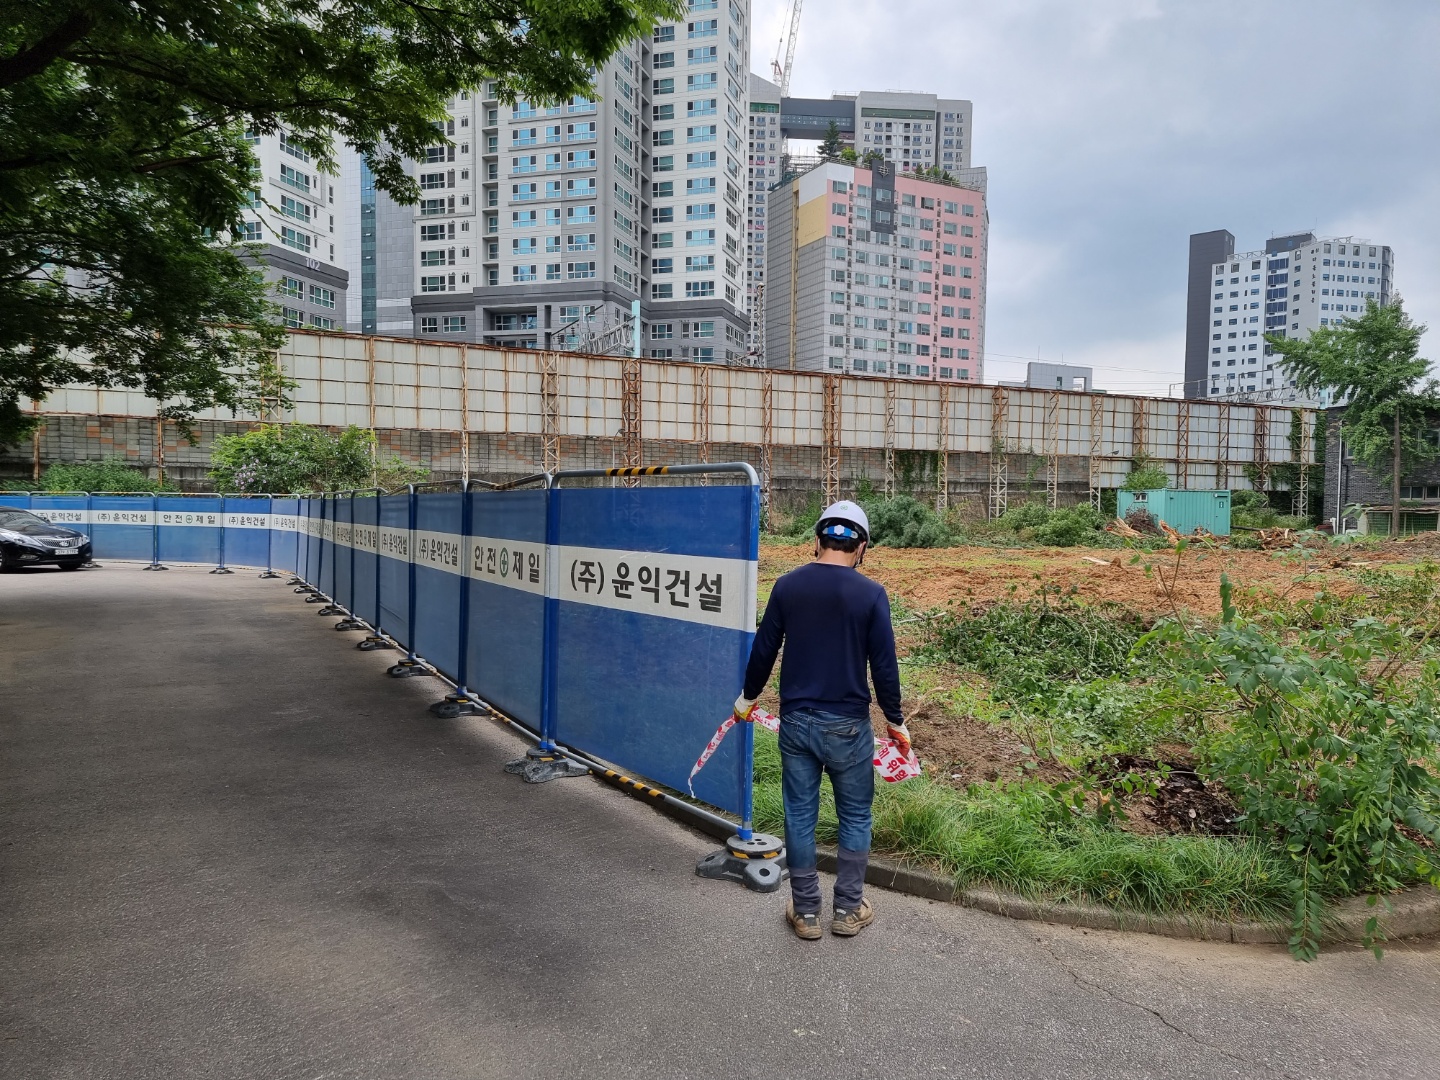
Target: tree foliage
[(1372, 364), (832, 146), (298, 458), (124, 164)]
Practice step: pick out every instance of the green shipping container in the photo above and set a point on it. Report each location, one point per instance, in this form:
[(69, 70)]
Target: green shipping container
[(1183, 511)]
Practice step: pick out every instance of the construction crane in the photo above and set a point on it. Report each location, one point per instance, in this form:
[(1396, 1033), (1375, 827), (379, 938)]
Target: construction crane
[(790, 29)]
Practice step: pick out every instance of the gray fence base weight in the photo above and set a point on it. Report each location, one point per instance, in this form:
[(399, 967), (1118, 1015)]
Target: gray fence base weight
[(757, 863), (456, 705), (539, 765), (408, 669), (373, 642)]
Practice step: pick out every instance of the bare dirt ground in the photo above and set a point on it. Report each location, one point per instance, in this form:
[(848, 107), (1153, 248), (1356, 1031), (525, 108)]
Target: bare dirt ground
[(922, 578)]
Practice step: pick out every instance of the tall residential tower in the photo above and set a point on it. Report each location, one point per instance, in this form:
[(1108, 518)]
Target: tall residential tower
[(1295, 285)]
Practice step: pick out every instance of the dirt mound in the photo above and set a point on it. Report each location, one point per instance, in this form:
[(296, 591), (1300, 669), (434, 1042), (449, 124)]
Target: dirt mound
[(1181, 802)]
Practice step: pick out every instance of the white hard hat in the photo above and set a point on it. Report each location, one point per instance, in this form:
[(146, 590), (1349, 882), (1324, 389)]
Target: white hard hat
[(844, 513)]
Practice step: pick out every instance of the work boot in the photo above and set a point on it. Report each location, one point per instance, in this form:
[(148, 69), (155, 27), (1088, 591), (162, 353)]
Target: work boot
[(806, 926), (850, 921)]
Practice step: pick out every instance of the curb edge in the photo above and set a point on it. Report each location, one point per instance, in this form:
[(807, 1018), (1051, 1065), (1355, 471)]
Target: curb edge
[(1414, 912)]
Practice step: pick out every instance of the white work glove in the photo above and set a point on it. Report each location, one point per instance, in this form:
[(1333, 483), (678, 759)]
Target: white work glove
[(744, 709), (901, 735)]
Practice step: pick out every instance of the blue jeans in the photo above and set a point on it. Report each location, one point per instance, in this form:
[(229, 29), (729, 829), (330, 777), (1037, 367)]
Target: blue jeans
[(812, 743)]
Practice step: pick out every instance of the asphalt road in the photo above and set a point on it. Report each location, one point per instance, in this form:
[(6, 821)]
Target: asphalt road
[(232, 848)]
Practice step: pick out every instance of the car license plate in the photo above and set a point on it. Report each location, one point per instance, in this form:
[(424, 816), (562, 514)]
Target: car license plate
[(67, 551)]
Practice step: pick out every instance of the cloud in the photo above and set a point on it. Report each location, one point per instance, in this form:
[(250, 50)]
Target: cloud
[(1115, 128)]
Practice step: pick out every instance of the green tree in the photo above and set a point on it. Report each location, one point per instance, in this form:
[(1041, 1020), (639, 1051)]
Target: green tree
[(296, 458), (124, 164), (1372, 364), (832, 146)]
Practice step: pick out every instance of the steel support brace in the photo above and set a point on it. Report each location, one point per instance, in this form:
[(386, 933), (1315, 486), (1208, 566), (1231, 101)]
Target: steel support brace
[(830, 434), (942, 452), (550, 411), (1052, 449), (891, 393), (702, 414), (767, 434), (999, 427), (1304, 456), (1182, 447), (1222, 454), (757, 863), (1262, 448), (1097, 447), (631, 444), (1139, 415)]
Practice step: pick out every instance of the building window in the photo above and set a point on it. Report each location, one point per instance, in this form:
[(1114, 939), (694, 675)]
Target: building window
[(290, 286), (454, 324), (429, 324), (292, 318), (698, 289), (320, 322), (321, 297), (294, 238)]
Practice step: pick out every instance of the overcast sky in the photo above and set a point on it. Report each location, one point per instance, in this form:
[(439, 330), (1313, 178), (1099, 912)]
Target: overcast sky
[(1113, 129)]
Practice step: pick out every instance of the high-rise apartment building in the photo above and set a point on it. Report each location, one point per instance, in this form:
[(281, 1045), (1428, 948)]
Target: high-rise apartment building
[(540, 226), (877, 271), (297, 214), (1295, 285), (912, 131)]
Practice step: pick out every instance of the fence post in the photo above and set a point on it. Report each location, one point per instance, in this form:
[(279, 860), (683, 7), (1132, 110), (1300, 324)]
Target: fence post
[(301, 585), (90, 529), (350, 622), (220, 567), (377, 640), (546, 762), (155, 535), (270, 541), (411, 665), (462, 702), (334, 607), (316, 595)]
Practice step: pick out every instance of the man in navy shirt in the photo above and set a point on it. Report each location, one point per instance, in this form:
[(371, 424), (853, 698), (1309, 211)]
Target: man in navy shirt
[(834, 622)]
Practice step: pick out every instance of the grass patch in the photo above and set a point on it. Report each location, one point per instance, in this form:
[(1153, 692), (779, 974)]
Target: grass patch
[(1017, 837)]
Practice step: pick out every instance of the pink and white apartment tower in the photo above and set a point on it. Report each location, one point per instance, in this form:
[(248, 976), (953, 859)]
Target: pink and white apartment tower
[(874, 271)]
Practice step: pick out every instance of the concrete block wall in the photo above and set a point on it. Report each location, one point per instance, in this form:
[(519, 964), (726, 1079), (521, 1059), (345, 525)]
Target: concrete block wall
[(797, 470)]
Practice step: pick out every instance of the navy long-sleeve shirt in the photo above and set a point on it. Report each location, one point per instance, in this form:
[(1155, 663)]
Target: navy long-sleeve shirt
[(833, 621)]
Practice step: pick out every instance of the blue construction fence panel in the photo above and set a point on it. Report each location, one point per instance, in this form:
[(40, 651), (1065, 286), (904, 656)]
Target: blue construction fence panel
[(438, 541), (249, 530), (505, 568), (123, 526), (190, 528), (364, 565), (394, 576), (285, 535), (72, 511), (310, 510), (343, 563), (654, 618)]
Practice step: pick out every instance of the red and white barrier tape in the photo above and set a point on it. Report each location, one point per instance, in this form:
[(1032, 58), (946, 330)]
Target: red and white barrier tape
[(892, 765)]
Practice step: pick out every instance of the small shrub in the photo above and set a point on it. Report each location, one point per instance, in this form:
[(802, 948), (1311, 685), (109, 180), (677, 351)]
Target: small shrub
[(906, 522), (109, 474), (1069, 527), (1025, 516)]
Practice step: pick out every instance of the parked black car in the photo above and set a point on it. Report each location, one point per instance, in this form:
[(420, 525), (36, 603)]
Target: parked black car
[(29, 540)]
